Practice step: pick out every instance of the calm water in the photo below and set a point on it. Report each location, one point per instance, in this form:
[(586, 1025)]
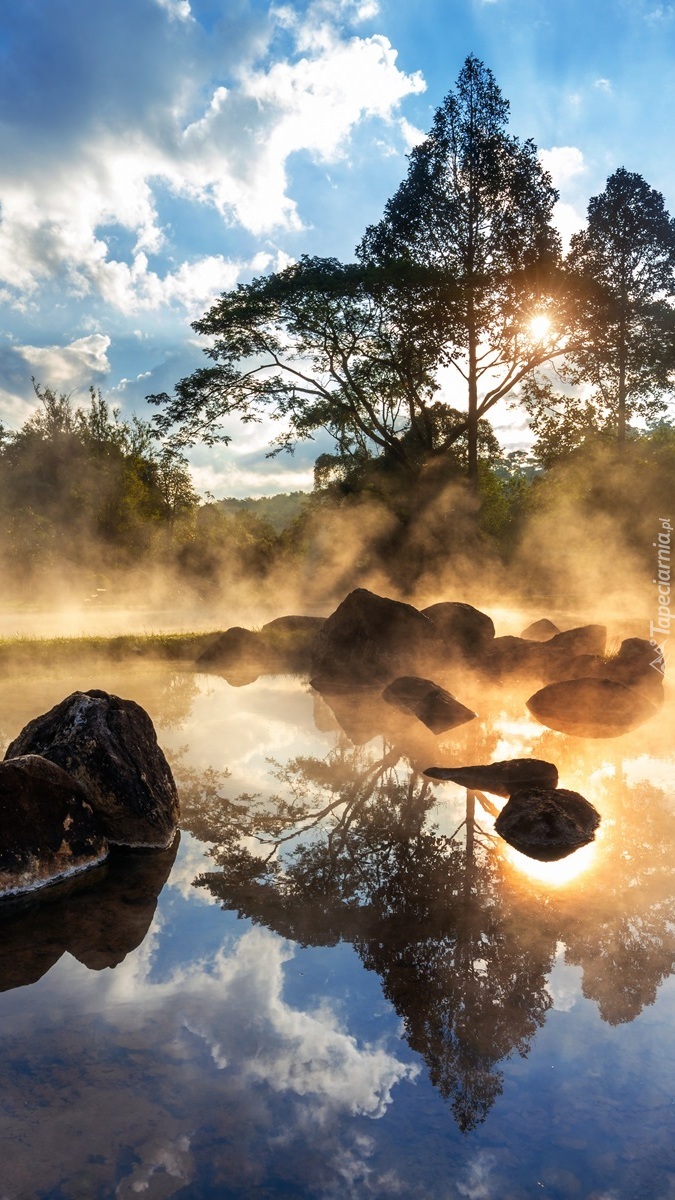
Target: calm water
[(339, 983)]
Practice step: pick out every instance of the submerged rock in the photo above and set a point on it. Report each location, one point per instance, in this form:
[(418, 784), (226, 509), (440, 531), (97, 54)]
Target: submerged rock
[(540, 631), (590, 707), (48, 828), (369, 640), (500, 778), (464, 630), (109, 746), (430, 703), (547, 823)]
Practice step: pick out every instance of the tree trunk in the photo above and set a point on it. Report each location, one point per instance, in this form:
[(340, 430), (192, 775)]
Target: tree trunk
[(472, 431), (621, 423)]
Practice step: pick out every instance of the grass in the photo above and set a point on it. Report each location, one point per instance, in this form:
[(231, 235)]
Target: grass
[(168, 647)]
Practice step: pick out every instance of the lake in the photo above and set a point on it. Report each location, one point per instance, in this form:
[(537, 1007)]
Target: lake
[(339, 983)]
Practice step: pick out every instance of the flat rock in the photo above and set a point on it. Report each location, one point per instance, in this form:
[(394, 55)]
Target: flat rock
[(500, 778), (48, 829), (590, 707), (370, 640), (635, 667), (109, 746), (431, 704), (540, 631), (464, 630), (547, 823)]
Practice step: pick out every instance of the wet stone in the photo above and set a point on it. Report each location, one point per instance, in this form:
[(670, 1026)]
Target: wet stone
[(431, 704), (500, 778), (547, 823), (47, 827), (109, 746), (591, 707)]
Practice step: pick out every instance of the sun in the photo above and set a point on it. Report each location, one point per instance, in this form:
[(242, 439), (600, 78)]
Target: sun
[(540, 327)]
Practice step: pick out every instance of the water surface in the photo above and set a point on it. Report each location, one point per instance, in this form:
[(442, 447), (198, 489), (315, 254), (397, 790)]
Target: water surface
[(339, 982)]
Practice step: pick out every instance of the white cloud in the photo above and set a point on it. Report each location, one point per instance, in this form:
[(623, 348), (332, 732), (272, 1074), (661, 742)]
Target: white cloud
[(232, 156), (604, 85), (78, 364), (563, 163)]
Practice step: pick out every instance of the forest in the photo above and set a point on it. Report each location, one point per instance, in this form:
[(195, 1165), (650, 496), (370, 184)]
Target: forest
[(461, 304)]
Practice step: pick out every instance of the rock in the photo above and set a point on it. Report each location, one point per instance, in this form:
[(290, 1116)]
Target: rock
[(292, 639), (522, 658), (371, 639), (48, 827), (240, 655), (501, 778), (590, 707), (637, 665), (583, 639), (464, 630), (109, 746), (431, 704), (515, 657), (540, 631), (547, 823)]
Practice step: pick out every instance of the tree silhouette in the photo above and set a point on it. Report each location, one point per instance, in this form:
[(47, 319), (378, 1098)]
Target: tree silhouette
[(477, 204)]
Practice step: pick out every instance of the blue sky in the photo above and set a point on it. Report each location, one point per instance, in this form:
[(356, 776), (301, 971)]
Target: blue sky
[(157, 152)]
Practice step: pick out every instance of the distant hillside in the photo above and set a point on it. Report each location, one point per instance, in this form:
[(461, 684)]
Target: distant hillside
[(279, 510)]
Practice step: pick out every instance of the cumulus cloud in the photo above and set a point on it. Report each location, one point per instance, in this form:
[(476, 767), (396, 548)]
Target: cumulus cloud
[(302, 83), (78, 364), (565, 165)]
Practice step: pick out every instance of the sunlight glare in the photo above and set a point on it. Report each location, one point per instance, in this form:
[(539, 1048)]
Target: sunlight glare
[(557, 874), (540, 327)]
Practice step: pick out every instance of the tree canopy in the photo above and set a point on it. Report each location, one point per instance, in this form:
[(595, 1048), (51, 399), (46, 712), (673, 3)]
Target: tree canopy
[(463, 259)]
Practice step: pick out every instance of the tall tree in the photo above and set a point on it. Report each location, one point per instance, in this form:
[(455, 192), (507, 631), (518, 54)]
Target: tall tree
[(477, 203), (350, 350), (625, 263)]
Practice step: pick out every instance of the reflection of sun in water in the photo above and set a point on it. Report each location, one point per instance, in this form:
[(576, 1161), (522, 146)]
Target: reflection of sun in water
[(539, 327), (557, 874)]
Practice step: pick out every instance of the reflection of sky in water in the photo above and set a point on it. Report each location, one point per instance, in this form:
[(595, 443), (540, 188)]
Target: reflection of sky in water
[(221, 1059)]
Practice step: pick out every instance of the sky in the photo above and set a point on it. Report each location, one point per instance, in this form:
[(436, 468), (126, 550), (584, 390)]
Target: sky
[(155, 153)]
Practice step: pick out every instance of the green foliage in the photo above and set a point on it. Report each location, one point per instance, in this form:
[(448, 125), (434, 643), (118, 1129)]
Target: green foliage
[(322, 346), (82, 487), (477, 204), (624, 345)]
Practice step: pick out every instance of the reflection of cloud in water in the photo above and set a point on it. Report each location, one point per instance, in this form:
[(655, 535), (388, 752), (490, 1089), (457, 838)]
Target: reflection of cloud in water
[(564, 982), (209, 1066)]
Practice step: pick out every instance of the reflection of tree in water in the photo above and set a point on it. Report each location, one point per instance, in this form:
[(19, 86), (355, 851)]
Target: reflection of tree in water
[(621, 931), (430, 913)]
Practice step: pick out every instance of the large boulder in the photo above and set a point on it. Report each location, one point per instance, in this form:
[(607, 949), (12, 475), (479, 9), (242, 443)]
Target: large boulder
[(500, 778), (431, 704), (590, 707), (109, 746), (547, 823), (464, 630), (47, 827), (370, 640)]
